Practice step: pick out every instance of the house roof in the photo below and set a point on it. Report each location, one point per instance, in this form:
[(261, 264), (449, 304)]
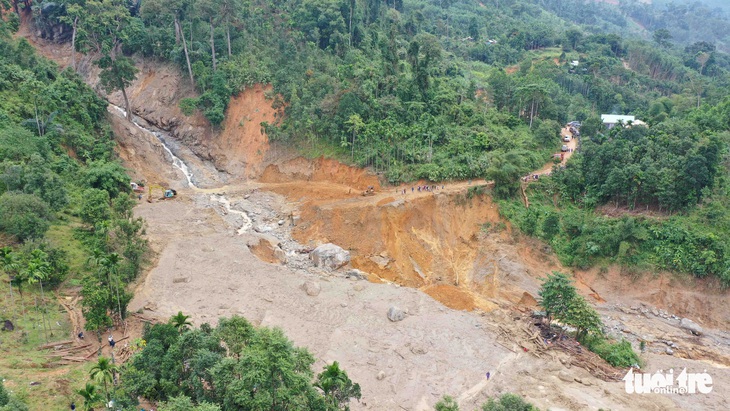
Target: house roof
[(613, 118)]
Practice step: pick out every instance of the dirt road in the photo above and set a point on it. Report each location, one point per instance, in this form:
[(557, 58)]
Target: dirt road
[(443, 244), (572, 146)]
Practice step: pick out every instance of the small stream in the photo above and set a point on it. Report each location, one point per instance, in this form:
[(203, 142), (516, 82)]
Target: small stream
[(178, 163), (226, 203)]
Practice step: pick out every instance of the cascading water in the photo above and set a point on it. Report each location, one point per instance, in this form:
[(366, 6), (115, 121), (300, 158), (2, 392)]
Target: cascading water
[(179, 164), (176, 161), (222, 200)]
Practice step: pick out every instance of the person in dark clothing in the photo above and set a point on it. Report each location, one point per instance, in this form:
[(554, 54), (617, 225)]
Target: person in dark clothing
[(81, 335), (73, 406)]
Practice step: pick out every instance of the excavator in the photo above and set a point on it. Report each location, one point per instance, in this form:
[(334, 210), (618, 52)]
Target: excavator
[(167, 193)]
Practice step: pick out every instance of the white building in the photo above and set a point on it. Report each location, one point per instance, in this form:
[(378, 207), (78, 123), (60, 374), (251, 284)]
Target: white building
[(610, 120)]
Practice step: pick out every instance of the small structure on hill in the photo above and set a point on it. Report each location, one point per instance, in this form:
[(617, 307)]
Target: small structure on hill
[(611, 120)]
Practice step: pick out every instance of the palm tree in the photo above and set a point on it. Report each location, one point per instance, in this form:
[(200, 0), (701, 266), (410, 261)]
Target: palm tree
[(180, 321), (104, 371), (110, 262), (9, 265), (37, 270), (107, 264), (90, 396), (337, 386), (43, 126)]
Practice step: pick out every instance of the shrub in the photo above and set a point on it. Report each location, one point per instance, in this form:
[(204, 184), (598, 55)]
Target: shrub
[(24, 215), (618, 354), (508, 402), (95, 206), (447, 403)]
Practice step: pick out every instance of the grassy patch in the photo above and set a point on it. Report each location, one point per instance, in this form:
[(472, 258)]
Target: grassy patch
[(22, 363), (63, 237), (618, 354)]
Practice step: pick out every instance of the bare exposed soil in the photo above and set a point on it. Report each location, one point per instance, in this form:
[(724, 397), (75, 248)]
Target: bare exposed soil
[(466, 280)]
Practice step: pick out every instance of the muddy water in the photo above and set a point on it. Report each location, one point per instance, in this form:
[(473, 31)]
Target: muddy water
[(178, 163), (175, 160)]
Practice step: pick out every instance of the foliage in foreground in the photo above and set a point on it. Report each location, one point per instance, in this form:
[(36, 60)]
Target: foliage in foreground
[(505, 402), (57, 170), (10, 402), (561, 301), (229, 367)]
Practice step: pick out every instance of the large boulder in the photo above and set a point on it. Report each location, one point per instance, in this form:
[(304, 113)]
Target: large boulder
[(329, 256), (691, 326), (396, 314), (312, 288)]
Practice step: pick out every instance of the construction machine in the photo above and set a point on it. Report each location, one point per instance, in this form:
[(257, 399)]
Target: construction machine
[(136, 187), (167, 193), (369, 192)]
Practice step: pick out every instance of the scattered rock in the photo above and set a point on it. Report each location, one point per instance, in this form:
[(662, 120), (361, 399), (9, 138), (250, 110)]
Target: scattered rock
[(655, 312), (151, 306), (281, 222), (358, 287), (418, 350), (381, 261), (578, 380), (343, 305), (35, 383), (311, 288), (329, 256), (381, 375), (8, 325), (356, 274), (280, 255), (396, 314), (691, 326), (670, 351), (267, 248), (565, 376), (179, 280)]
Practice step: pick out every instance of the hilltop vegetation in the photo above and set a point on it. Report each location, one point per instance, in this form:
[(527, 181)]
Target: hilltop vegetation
[(458, 89)]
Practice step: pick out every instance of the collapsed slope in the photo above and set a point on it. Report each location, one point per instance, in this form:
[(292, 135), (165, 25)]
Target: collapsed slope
[(206, 270)]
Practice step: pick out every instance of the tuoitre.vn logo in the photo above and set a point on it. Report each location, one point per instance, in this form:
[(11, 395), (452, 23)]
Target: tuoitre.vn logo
[(667, 383)]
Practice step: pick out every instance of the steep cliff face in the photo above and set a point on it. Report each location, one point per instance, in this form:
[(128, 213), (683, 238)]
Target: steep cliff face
[(238, 147)]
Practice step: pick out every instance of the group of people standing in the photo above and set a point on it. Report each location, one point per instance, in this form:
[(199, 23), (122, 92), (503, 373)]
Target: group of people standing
[(420, 188)]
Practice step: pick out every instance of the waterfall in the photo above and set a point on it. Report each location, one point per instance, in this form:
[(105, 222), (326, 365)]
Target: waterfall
[(176, 161)]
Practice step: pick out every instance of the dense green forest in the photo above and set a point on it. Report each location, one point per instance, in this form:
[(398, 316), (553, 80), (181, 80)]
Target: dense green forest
[(463, 89), (414, 89), (65, 210)]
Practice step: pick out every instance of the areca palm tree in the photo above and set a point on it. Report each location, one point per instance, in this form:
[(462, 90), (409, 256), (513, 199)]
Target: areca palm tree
[(9, 265), (337, 386), (180, 321), (37, 270), (90, 395), (103, 371), (108, 265), (110, 262)]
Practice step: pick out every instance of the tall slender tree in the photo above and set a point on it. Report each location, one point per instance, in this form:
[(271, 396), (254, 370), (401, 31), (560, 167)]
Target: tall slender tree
[(104, 371), (106, 25), (38, 270)]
